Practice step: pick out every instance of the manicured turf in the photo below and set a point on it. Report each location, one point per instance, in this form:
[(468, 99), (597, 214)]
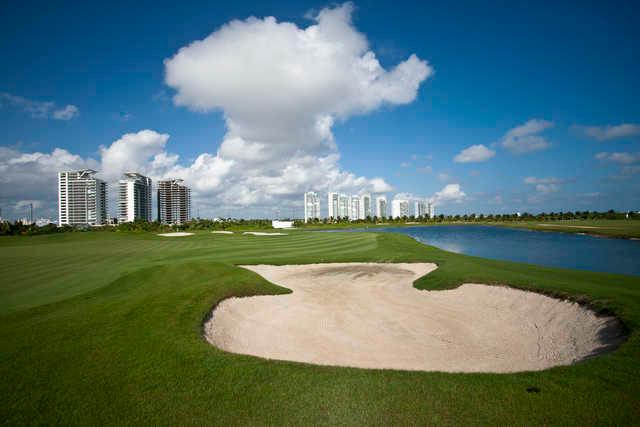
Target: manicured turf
[(105, 328), (619, 228)]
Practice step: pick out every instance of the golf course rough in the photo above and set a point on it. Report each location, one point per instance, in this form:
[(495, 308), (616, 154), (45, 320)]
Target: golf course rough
[(106, 328)]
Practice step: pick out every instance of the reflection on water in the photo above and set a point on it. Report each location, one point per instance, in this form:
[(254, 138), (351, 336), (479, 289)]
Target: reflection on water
[(447, 246), (534, 247)]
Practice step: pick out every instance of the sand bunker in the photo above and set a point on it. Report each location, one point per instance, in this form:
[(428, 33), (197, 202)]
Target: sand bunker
[(222, 232), (370, 316), (176, 234), (260, 233)]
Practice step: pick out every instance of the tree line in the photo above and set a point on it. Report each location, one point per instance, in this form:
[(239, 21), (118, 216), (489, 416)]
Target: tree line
[(8, 228), (19, 228), (551, 216)]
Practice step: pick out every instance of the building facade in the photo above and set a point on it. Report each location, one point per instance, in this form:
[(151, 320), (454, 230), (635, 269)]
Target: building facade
[(311, 206), (135, 198), (174, 202), (333, 205), (82, 198), (432, 210), (399, 208), (381, 207), (420, 209), (343, 206), (354, 213), (365, 206)]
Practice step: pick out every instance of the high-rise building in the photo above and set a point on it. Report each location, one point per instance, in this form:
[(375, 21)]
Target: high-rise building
[(343, 206), (381, 207), (174, 202), (333, 205), (365, 206), (432, 210), (311, 206), (399, 208), (82, 198), (420, 209), (135, 198), (355, 208)]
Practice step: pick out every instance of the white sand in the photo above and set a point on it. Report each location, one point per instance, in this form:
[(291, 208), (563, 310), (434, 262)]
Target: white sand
[(176, 234), (260, 233), (222, 232), (370, 316)]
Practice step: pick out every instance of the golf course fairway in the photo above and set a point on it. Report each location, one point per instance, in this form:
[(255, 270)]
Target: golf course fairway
[(107, 328)]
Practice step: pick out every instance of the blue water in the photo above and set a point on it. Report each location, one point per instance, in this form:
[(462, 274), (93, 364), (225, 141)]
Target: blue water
[(534, 247)]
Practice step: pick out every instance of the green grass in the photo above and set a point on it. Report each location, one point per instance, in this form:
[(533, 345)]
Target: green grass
[(618, 228), (105, 328)]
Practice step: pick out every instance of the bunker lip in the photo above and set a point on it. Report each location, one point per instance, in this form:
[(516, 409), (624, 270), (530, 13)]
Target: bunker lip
[(369, 315)]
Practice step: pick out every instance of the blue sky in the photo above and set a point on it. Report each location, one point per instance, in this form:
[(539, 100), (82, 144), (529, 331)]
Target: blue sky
[(494, 67)]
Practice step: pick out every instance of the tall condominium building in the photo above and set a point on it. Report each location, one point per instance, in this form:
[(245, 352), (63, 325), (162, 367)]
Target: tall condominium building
[(82, 198), (333, 205), (344, 206), (399, 208), (381, 207), (365, 206), (174, 202), (432, 210), (420, 209), (135, 198), (355, 208), (311, 206)]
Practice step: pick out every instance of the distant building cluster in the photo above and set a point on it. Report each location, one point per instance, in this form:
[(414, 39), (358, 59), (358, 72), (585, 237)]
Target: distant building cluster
[(82, 199), (362, 206)]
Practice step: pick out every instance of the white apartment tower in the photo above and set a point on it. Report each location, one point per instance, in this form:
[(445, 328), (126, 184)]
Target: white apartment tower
[(311, 206), (381, 207), (432, 210), (355, 208), (174, 202), (333, 205), (135, 198), (343, 206), (420, 209), (82, 198), (365, 206), (399, 208)]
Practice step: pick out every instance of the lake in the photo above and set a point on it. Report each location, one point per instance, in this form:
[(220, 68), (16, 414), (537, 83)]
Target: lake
[(550, 249)]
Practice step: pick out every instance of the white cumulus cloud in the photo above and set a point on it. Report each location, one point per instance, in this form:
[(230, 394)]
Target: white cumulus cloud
[(450, 193), (623, 158), (605, 133), (474, 154), (136, 152), (66, 113), (281, 89), (544, 185), (547, 188), (526, 138)]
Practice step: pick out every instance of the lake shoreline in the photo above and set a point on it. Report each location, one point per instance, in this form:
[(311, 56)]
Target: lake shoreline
[(545, 248), (554, 228)]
